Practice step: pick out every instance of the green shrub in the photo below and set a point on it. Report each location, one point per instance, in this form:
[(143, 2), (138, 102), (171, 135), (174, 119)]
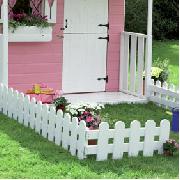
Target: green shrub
[(165, 18)]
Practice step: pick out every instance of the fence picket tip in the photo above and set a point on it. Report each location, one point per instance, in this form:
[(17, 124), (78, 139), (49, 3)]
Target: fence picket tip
[(104, 125), (60, 113), (119, 124)]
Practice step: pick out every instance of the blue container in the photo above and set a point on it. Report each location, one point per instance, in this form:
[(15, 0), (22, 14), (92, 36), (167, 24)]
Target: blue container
[(175, 120)]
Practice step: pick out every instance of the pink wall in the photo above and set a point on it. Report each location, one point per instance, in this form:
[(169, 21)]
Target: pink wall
[(31, 63), (116, 21)]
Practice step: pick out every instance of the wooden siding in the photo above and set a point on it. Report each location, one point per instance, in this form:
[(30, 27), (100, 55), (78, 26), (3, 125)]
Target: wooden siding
[(31, 63), (116, 21)]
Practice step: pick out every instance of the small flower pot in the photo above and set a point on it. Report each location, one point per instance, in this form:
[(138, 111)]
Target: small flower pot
[(168, 153), (62, 107), (92, 142)]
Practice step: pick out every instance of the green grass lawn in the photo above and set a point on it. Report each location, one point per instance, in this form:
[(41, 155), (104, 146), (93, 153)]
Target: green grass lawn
[(25, 154), (169, 50)]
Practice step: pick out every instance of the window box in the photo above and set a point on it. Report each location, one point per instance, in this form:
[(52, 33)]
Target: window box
[(30, 34)]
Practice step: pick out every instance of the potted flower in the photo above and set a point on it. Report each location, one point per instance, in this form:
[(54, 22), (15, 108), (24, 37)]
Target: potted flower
[(88, 112), (159, 71), (29, 28), (60, 103), (169, 147)]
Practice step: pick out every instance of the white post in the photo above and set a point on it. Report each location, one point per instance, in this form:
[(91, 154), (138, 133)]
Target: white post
[(149, 47), (5, 43)]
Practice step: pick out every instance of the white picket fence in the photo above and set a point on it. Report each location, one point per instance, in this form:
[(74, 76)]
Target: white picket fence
[(74, 136), (164, 94)]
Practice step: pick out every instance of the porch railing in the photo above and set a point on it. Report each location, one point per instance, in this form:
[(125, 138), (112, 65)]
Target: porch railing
[(133, 63)]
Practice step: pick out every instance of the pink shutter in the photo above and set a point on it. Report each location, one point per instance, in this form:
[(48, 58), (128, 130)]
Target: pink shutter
[(51, 2), (1, 1), (36, 6), (11, 5)]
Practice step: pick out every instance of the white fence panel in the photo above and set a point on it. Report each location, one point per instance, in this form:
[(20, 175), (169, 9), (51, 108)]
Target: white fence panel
[(164, 95), (74, 136)]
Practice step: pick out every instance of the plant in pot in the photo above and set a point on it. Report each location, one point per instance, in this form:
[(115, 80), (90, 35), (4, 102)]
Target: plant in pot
[(88, 112), (61, 103), (23, 19), (159, 71), (169, 147)]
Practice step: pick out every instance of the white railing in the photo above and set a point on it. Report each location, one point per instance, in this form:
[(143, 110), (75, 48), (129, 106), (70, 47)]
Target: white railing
[(164, 94), (74, 136), (132, 62)]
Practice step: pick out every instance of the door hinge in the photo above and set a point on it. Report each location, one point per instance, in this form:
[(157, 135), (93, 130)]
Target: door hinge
[(105, 79), (106, 38), (105, 25)]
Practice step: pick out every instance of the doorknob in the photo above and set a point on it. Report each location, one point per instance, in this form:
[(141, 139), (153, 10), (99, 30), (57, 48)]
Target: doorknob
[(66, 25), (60, 36), (105, 25)]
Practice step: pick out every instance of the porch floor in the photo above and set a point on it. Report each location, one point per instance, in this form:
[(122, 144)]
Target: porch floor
[(104, 98)]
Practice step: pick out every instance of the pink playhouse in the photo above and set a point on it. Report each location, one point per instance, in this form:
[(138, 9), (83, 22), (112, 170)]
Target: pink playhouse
[(84, 50)]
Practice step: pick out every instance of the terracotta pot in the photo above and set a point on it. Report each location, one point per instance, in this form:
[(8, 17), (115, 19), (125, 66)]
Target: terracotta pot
[(92, 142), (168, 153), (62, 107)]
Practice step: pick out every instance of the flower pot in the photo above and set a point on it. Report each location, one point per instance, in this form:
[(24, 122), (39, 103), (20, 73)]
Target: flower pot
[(62, 107), (168, 153), (92, 142), (30, 34)]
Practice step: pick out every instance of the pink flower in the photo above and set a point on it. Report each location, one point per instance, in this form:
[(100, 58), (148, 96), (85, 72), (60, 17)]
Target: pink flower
[(89, 119)]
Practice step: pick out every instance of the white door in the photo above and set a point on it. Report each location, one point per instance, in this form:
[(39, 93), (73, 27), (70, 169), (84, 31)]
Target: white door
[(84, 54)]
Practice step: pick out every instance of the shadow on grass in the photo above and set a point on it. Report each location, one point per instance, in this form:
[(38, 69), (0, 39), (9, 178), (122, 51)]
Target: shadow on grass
[(126, 168)]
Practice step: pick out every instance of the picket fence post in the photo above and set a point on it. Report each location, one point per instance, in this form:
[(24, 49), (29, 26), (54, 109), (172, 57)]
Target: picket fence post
[(119, 140), (26, 110), (45, 120), (38, 117), (10, 102), (73, 138), (103, 139), (134, 138), (32, 113), (81, 131), (65, 133), (164, 133), (15, 105), (149, 138), (5, 100), (51, 125), (21, 108), (58, 130), (1, 97)]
